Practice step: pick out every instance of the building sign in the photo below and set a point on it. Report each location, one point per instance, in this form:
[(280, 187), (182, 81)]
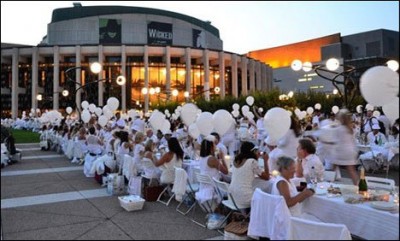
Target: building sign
[(199, 38), (110, 31), (159, 33)]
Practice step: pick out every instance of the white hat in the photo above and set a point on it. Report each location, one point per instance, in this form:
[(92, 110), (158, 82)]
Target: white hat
[(376, 127), (270, 141), (210, 138), (121, 123)]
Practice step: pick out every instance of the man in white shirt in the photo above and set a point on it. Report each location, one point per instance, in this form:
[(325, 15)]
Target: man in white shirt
[(308, 164)]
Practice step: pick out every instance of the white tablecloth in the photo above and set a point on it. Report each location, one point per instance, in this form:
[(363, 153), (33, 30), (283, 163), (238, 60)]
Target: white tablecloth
[(361, 219)]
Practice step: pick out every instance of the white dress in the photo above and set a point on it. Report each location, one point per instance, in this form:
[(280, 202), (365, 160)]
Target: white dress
[(168, 170), (288, 143), (206, 191), (296, 209), (344, 151), (241, 185)]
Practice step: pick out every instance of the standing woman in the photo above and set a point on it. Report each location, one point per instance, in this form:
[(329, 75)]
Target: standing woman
[(345, 151), (172, 158)]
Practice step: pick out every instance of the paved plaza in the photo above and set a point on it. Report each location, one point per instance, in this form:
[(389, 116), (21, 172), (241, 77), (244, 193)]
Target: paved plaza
[(44, 196)]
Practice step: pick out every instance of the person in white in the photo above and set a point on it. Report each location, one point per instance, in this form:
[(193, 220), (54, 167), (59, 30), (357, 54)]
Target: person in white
[(138, 150), (290, 140), (285, 187), (308, 164), (229, 140), (172, 158), (244, 170), (274, 153), (344, 151), (369, 121), (316, 119), (211, 166)]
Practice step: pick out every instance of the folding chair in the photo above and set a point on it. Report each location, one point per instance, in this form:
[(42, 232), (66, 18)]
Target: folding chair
[(380, 182), (191, 190), (206, 205), (168, 188), (149, 170), (223, 190)]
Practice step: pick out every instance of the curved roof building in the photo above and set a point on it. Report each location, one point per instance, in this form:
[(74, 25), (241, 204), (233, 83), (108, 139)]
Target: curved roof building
[(150, 47)]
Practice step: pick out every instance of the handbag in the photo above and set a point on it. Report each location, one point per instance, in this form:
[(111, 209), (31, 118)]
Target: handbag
[(151, 193)]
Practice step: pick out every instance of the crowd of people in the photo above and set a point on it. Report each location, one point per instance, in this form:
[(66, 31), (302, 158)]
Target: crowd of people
[(318, 143)]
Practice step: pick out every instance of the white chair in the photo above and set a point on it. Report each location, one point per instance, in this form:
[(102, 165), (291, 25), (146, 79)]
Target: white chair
[(269, 216), (223, 190), (191, 190), (302, 229), (168, 188), (206, 205), (380, 182), (150, 170)]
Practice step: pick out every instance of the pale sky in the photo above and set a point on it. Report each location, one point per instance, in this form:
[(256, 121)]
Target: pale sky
[(244, 26)]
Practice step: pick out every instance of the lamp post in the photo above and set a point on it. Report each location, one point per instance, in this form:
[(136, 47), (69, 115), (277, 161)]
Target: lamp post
[(94, 68), (329, 71)]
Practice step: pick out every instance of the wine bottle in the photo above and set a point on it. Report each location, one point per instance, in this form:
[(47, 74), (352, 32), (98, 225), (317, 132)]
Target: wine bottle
[(362, 184)]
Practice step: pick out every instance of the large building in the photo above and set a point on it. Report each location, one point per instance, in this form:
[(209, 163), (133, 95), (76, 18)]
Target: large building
[(150, 47), (359, 51)]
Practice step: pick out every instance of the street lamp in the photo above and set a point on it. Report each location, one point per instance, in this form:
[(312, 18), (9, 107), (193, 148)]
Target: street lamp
[(95, 68), (329, 71)]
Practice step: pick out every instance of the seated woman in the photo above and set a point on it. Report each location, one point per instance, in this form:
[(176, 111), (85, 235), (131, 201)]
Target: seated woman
[(284, 187), (245, 167), (211, 166), (150, 171), (172, 158)]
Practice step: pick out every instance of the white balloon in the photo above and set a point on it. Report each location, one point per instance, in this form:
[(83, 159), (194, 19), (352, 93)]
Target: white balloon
[(98, 111), (260, 110), (166, 126), (157, 120), (302, 115), (85, 104), (188, 113), (391, 110), (317, 106), (222, 121), (250, 100), (113, 103), (297, 111), (335, 109), (379, 85), (68, 110), (205, 123), (235, 113), (235, 106), (194, 131), (107, 112), (277, 122), (376, 113), (102, 120), (359, 109), (92, 108), (85, 116), (310, 110), (245, 109)]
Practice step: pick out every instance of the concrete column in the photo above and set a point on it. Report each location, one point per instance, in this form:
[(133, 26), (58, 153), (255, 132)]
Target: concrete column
[(123, 72), (258, 71), (56, 78), (234, 75), (269, 77), (14, 83), (243, 66), (222, 74), (252, 74), (206, 65), (263, 78), (100, 88), (168, 72), (146, 77), (35, 69), (78, 77), (188, 68)]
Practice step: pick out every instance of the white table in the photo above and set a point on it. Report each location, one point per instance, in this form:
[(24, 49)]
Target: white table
[(361, 219)]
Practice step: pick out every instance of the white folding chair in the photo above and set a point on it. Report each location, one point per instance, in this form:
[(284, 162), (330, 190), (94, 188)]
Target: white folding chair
[(191, 190), (223, 190), (380, 182), (207, 206), (302, 229), (149, 170), (168, 188)]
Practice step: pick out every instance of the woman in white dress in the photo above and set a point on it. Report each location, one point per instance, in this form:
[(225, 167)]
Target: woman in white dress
[(172, 158), (211, 166), (288, 143), (245, 168), (345, 151), (285, 187)]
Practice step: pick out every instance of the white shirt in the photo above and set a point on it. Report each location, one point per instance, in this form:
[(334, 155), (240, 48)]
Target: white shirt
[(310, 161)]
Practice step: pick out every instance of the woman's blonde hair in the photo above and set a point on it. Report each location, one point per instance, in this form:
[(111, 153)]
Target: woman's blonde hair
[(139, 137)]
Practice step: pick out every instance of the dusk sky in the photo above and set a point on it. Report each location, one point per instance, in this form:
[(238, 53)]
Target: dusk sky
[(243, 26)]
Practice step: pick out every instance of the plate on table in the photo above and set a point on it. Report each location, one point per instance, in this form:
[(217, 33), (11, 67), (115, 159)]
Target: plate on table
[(321, 191), (382, 205)]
